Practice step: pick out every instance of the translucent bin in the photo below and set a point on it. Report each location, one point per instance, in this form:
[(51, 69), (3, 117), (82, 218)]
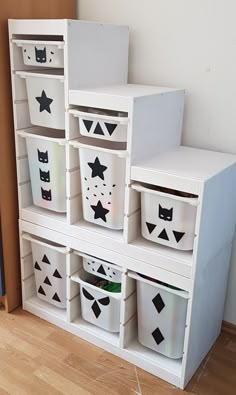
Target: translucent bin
[(168, 217), (161, 317), (47, 165), (49, 260), (103, 182), (42, 53)]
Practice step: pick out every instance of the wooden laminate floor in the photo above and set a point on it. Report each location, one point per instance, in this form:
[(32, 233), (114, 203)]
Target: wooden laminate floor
[(39, 358)]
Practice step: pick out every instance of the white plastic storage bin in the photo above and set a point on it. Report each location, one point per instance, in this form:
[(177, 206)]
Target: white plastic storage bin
[(46, 98), (49, 260), (47, 164), (161, 317), (101, 268), (103, 183), (168, 217), (100, 307), (42, 53), (102, 124)]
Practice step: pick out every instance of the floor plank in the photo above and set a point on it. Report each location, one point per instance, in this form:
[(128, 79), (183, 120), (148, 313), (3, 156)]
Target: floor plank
[(39, 358)]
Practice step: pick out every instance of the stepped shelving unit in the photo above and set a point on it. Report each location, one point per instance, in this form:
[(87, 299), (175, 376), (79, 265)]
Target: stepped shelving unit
[(153, 157)]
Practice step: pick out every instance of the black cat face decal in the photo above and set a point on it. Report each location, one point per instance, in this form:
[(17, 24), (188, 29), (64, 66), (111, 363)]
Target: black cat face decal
[(95, 307), (165, 214), (43, 156), (46, 195), (44, 175), (40, 55)]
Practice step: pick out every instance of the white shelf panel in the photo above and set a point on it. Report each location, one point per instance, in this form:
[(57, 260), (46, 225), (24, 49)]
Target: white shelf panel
[(46, 308), (44, 214), (100, 230)]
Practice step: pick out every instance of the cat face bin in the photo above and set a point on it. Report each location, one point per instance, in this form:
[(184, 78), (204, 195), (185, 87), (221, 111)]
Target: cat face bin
[(161, 316), (103, 183), (168, 217), (46, 98), (46, 156), (100, 307), (49, 262), (42, 53)]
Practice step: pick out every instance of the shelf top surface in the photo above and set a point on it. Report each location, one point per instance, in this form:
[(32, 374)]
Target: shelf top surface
[(129, 91), (187, 162)]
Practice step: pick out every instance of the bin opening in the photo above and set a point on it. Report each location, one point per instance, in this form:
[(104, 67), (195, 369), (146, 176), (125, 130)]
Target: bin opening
[(159, 282), (101, 111), (169, 191)]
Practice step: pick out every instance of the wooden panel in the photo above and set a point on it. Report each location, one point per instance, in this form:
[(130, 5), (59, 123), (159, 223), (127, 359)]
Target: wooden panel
[(8, 191)]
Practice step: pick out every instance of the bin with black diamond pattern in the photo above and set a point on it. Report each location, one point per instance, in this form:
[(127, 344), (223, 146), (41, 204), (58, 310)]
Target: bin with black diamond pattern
[(167, 216), (49, 260), (162, 313), (102, 168), (45, 93)]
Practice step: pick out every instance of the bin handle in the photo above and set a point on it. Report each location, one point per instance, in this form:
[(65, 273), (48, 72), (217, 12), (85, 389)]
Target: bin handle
[(140, 188), (119, 153), (23, 133), (19, 43), (62, 250), (181, 293), (83, 255), (121, 120)]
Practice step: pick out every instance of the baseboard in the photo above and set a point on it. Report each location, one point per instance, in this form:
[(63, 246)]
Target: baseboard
[(228, 328)]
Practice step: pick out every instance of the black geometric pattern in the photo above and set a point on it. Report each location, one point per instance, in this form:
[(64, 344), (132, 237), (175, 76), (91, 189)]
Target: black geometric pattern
[(56, 298), (87, 124), (44, 102), (37, 267), (100, 211), (41, 291), (150, 227), (104, 301), (57, 274), (158, 303), (158, 337), (101, 270), (46, 260), (96, 309), (97, 169), (163, 235), (110, 127), (178, 235), (47, 281), (87, 294), (98, 130)]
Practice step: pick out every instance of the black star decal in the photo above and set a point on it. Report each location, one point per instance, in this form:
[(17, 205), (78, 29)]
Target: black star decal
[(100, 211), (44, 102), (97, 168)]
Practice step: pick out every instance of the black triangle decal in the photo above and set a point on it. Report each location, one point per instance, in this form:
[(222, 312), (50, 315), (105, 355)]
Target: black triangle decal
[(56, 298), (98, 130), (87, 124), (41, 291), (150, 227), (46, 260), (47, 281), (110, 127), (57, 274), (101, 270), (163, 235), (178, 235), (36, 266)]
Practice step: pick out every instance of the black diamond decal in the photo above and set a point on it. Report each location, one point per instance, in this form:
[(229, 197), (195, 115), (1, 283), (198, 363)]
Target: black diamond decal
[(150, 227), (96, 309), (98, 130), (158, 303), (56, 298), (41, 291), (157, 335), (178, 235), (163, 235), (46, 260), (36, 266), (57, 274), (101, 270), (47, 281), (87, 124), (110, 127)]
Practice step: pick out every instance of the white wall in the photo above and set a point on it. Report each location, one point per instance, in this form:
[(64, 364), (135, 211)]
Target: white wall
[(190, 44)]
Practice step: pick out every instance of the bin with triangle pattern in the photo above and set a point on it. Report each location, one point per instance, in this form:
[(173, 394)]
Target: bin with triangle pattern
[(49, 260)]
